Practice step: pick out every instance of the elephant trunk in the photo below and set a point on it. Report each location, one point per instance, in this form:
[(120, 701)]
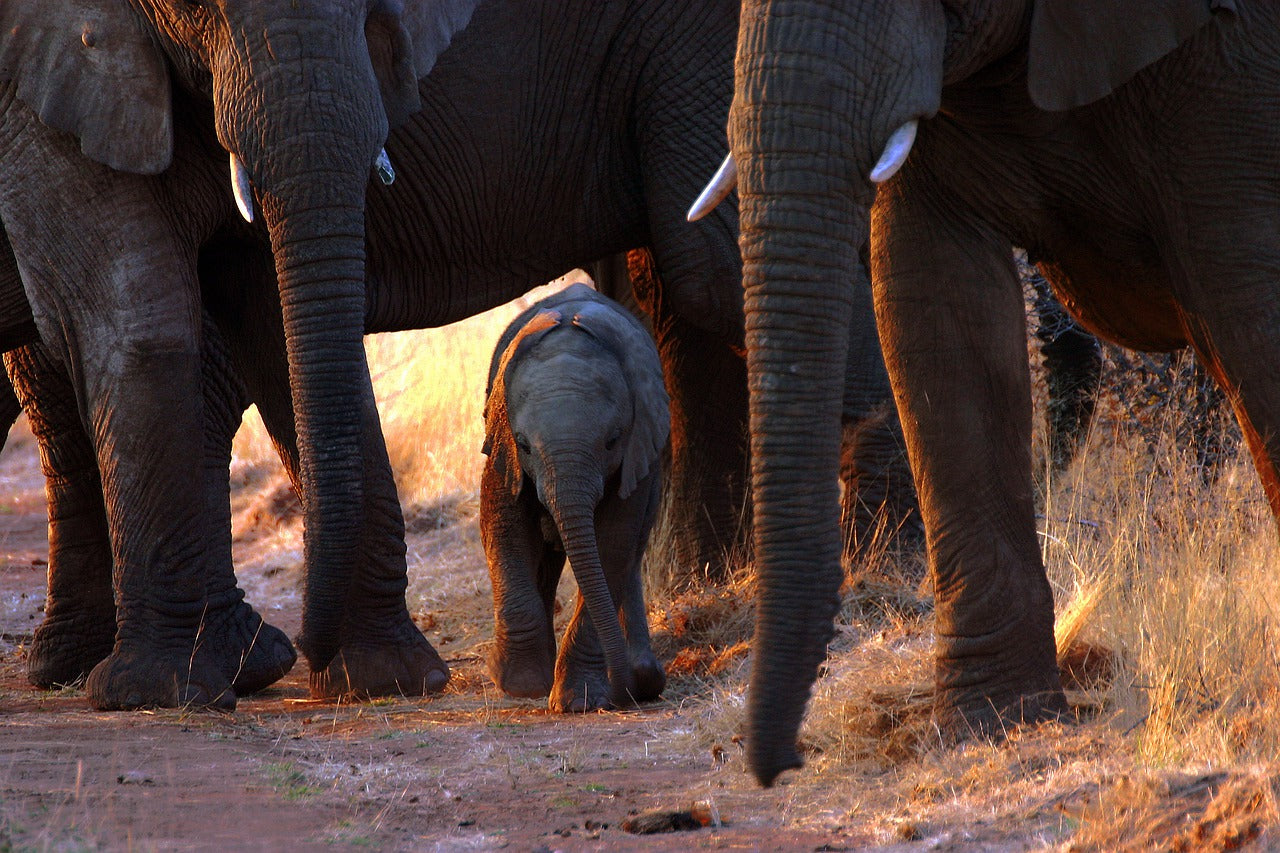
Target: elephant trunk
[(573, 511), (807, 147), (310, 160)]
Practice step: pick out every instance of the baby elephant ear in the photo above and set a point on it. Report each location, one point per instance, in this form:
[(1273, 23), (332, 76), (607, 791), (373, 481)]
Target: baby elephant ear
[(1083, 50), (651, 422), (499, 440)]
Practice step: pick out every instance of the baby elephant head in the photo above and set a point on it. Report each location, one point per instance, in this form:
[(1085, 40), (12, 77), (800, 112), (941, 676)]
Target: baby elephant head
[(576, 399)]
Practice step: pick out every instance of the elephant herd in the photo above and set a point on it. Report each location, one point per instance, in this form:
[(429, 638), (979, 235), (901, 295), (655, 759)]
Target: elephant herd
[(207, 203)]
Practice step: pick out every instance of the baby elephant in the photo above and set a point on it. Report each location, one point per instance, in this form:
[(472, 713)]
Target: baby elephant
[(575, 424)]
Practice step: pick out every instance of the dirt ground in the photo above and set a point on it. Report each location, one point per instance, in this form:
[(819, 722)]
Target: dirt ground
[(474, 770), (467, 770)]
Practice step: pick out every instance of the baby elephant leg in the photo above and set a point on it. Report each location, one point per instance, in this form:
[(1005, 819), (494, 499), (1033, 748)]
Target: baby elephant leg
[(523, 572)]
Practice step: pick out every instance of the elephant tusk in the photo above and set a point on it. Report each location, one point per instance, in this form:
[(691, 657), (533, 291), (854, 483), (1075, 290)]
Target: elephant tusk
[(895, 152), (382, 166), (241, 188), (722, 183)]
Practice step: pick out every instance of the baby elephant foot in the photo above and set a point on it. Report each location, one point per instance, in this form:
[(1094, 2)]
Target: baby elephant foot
[(401, 664), (580, 691), (523, 670), (133, 677), (65, 648), (252, 653)]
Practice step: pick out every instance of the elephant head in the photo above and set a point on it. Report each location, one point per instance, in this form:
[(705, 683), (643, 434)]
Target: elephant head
[(576, 405), (828, 98), (303, 93)]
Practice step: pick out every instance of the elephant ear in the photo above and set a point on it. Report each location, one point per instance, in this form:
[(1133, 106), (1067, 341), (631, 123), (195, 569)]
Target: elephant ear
[(623, 335), (1082, 50), (432, 24), (405, 39), (90, 68), (499, 440)]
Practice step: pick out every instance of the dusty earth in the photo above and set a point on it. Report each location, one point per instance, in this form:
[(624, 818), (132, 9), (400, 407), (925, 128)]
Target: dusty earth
[(467, 770), (472, 769)]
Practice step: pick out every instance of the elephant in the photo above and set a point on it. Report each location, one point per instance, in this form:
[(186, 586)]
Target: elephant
[(110, 112), (1127, 147), (576, 423)]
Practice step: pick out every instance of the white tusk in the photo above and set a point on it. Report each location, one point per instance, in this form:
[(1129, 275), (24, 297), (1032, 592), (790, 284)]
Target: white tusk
[(722, 183), (895, 152), (382, 166), (241, 188)]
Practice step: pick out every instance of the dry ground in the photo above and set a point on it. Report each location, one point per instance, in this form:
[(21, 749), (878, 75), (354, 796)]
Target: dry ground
[(1167, 585)]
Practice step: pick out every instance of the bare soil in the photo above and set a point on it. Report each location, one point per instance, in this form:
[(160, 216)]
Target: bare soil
[(472, 769)]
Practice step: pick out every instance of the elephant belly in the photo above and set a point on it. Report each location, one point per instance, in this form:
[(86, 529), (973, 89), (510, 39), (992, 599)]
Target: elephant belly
[(1127, 304)]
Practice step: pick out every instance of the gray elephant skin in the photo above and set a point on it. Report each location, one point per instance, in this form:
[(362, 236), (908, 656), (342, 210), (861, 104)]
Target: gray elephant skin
[(98, 101), (481, 210), (576, 422), (1129, 148)]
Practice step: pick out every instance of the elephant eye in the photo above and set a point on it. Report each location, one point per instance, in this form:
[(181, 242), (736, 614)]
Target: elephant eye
[(522, 444), (612, 443)]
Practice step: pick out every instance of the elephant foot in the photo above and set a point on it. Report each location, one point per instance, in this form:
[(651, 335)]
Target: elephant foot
[(65, 648), (579, 690), (520, 670), (403, 664), (649, 676), (252, 653), (992, 713), (133, 677)]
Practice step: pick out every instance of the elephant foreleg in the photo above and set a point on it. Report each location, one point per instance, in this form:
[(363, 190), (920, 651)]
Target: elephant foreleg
[(383, 652), (79, 626), (953, 327), (523, 571), (581, 677)]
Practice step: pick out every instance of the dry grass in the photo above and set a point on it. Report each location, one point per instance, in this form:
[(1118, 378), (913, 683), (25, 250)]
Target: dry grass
[(1165, 568)]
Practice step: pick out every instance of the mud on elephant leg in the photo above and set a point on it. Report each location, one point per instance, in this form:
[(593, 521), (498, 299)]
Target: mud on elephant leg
[(79, 626)]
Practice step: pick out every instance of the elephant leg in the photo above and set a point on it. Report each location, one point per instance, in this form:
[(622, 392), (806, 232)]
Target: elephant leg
[(953, 327), (520, 565), (79, 627), (383, 652), (127, 329), (10, 408), (253, 653), (1073, 365), (878, 504), (1242, 356), (705, 509), (581, 677)]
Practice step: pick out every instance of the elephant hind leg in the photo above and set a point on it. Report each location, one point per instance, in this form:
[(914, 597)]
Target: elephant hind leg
[(79, 626), (1244, 358)]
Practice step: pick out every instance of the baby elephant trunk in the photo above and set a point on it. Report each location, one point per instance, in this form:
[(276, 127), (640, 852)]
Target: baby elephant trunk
[(575, 517)]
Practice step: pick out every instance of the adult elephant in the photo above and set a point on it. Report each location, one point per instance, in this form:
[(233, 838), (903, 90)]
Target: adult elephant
[(301, 93), (1129, 147)]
